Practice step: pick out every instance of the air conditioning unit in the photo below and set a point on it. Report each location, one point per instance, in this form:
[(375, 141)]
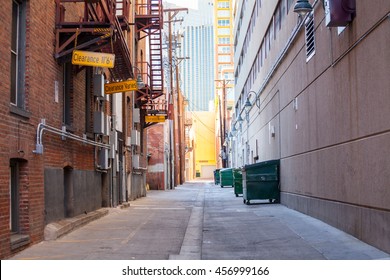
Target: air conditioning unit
[(98, 123), (128, 141), (136, 115), (135, 161), (339, 12), (135, 138), (114, 139), (98, 85), (112, 152), (103, 158)]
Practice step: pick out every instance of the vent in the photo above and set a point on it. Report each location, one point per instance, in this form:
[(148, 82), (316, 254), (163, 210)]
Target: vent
[(309, 37)]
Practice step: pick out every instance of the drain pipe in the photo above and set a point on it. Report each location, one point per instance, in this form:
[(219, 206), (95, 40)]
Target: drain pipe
[(42, 126)]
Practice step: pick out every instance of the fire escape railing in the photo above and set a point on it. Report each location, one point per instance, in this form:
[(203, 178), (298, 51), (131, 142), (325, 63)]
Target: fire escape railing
[(149, 23), (94, 25)]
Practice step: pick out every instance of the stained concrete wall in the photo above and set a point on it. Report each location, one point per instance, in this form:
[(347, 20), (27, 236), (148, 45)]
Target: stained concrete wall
[(86, 194)]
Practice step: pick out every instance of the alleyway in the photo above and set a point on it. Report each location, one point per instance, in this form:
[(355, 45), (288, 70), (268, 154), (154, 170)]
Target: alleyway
[(202, 221)]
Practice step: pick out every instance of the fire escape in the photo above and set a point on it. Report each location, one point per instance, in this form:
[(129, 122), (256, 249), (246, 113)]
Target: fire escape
[(149, 23), (97, 26)]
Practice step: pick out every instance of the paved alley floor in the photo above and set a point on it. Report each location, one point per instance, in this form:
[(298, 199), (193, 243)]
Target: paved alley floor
[(199, 220)]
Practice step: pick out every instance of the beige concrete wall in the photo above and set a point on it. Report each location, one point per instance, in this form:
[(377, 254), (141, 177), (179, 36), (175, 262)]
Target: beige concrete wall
[(335, 147)]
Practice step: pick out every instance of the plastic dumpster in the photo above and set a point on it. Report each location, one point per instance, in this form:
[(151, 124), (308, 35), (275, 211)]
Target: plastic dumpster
[(216, 177), (237, 181), (226, 177), (261, 181)]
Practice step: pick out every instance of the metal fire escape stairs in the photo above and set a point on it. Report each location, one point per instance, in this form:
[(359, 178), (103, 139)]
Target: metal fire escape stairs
[(97, 26), (149, 23)]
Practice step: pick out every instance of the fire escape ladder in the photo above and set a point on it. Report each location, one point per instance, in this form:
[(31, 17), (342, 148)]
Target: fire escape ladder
[(123, 69), (156, 70), (149, 22)]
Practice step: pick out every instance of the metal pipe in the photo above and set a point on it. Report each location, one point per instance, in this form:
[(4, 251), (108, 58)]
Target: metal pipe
[(43, 127)]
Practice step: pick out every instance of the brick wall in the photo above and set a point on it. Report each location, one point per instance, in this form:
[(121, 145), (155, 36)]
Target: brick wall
[(18, 131), (155, 174)]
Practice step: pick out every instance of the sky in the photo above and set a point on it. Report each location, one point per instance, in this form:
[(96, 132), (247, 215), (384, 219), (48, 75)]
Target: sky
[(192, 4)]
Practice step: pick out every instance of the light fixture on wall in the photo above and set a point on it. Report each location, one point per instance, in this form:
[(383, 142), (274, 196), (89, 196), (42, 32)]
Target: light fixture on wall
[(234, 130), (140, 82), (239, 119), (248, 104), (302, 7)]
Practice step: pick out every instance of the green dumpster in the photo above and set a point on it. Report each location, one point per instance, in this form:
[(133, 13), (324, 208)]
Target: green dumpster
[(216, 177), (237, 181), (226, 177), (261, 181)]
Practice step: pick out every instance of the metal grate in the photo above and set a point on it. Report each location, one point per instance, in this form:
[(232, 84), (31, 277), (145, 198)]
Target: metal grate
[(310, 36)]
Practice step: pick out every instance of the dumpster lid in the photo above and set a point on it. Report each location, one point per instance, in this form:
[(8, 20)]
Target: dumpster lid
[(261, 164)]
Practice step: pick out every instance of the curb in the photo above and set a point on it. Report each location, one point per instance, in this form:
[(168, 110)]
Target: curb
[(55, 230)]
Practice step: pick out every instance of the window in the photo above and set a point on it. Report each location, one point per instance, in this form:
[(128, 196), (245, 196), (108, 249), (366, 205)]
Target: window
[(14, 199), (89, 100), (68, 94), (224, 58), (224, 41), (224, 49), (309, 37), (18, 38), (223, 5), (223, 22)]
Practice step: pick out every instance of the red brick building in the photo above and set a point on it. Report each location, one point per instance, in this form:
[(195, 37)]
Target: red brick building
[(66, 148)]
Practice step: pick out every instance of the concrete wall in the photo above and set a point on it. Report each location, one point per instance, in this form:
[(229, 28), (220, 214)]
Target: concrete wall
[(85, 194), (334, 144)]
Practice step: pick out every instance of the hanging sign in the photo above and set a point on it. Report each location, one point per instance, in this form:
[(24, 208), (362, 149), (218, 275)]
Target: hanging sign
[(154, 118), (120, 86), (95, 59)]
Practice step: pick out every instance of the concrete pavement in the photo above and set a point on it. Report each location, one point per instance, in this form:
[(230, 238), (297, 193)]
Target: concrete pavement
[(199, 220)]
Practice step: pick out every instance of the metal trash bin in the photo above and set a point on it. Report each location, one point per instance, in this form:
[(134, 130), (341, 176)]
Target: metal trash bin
[(261, 181), (216, 177), (237, 181), (226, 177)]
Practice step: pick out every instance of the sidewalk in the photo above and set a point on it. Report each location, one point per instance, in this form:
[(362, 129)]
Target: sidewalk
[(202, 221)]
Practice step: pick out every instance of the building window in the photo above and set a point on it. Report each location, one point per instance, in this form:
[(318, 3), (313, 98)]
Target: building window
[(89, 100), (68, 94), (14, 183), (223, 22), (223, 40), (223, 5), (224, 49), (224, 58), (309, 36), (18, 39)]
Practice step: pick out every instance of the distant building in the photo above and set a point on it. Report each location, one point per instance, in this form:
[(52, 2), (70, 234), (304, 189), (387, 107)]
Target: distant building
[(203, 126), (195, 50), (322, 108), (224, 79)]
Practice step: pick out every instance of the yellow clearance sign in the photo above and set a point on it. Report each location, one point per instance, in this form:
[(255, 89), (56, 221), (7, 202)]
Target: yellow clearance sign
[(120, 87), (154, 118), (93, 59)]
